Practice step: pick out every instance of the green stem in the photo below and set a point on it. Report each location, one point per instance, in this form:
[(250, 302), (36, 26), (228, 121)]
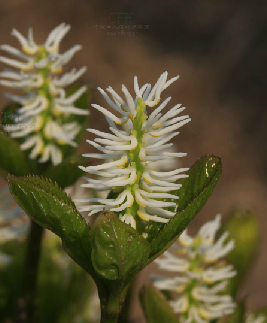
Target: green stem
[(33, 254), (124, 316), (111, 307)]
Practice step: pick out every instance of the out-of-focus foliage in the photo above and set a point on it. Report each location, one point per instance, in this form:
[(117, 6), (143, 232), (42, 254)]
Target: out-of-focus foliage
[(156, 307), (243, 228), (64, 290)]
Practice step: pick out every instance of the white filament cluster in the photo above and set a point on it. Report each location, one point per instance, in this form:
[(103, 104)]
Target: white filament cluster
[(202, 277), (43, 108), (129, 160), (13, 222)]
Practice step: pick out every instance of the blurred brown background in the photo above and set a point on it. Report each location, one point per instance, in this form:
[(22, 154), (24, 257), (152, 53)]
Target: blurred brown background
[(218, 48)]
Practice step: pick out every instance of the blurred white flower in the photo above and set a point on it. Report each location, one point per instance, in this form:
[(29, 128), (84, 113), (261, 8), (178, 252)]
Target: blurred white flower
[(13, 222), (42, 116), (130, 155), (76, 192), (203, 276), (254, 318), (93, 311)]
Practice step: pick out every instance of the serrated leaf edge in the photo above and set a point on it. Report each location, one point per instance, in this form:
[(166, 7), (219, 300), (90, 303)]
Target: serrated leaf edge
[(28, 178)]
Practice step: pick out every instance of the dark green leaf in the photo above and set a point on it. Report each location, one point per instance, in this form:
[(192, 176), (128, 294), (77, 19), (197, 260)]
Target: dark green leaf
[(201, 174), (60, 282), (118, 251), (51, 208), (12, 158), (196, 190), (152, 229), (11, 278), (155, 306), (68, 172)]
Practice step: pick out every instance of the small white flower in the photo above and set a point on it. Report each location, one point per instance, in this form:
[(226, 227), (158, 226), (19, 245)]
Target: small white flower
[(45, 105), (13, 222), (254, 318), (203, 276), (130, 153)]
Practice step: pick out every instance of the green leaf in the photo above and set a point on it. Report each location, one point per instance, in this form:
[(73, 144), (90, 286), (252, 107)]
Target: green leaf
[(68, 172), (155, 306), (238, 316), (194, 193), (118, 251), (243, 228), (201, 174), (152, 229), (51, 208), (12, 158)]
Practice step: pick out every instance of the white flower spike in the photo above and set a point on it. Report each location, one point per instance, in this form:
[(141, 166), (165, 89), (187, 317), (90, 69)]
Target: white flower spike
[(131, 152), (203, 275), (42, 120), (13, 222)]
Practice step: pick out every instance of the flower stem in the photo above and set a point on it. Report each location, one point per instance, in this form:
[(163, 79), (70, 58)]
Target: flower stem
[(111, 307), (31, 271)]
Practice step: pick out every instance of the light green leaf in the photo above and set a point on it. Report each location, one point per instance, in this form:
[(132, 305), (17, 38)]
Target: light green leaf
[(155, 306), (195, 191), (68, 172), (243, 228), (12, 158), (118, 251), (51, 208), (238, 316)]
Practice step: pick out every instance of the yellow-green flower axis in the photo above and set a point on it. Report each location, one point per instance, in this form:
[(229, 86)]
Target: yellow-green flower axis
[(42, 120), (131, 153)]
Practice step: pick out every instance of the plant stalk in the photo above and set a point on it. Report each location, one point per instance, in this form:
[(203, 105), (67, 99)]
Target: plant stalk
[(28, 303), (111, 307)]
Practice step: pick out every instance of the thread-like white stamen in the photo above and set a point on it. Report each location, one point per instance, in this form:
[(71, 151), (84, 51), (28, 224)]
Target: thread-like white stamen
[(135, 151), (204, 286), (46, 103)]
